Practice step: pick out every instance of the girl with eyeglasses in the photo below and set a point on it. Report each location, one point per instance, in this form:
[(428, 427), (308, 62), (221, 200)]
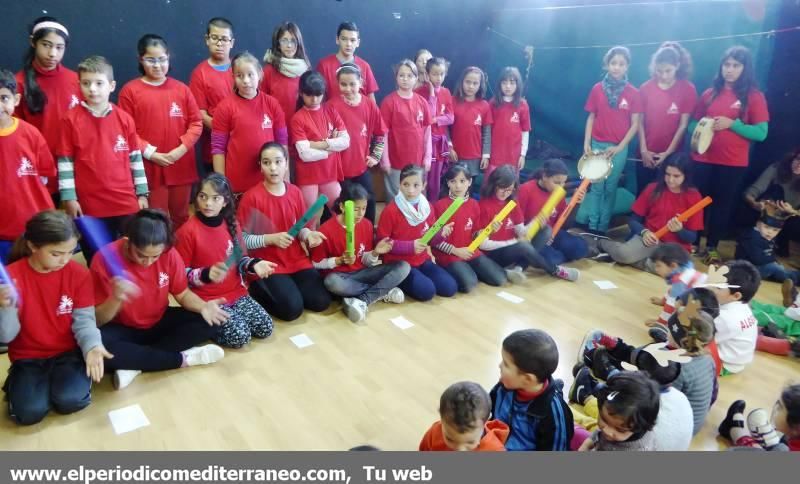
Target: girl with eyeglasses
[(284, 62)]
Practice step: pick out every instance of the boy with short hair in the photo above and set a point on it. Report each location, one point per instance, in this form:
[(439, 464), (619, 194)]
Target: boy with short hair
[(737, 328), (464, 410), (347, 38), (100, 168), (758, 247), (527, 398)]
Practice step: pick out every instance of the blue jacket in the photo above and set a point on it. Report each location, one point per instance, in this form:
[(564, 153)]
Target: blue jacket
[(753, 247), (544, 423)]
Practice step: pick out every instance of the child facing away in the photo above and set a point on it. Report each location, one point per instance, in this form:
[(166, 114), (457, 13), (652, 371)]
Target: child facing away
[(348, 39), (24, 159), (737, 328), (465, 426), (511, 125), (757, 246), (440, 102), (100, 167), (528, 399), (360, 278), (674, 264), (47, 319), (779, 431)]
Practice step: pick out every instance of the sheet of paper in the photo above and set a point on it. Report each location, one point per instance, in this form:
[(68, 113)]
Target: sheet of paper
[(301, 340), (605, 285), (401, 322), (128, 419), (510, 297)]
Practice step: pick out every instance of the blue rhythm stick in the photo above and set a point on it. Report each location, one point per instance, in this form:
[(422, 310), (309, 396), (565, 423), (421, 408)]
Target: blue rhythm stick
[(298, 226), (96, 235), (5, 278)]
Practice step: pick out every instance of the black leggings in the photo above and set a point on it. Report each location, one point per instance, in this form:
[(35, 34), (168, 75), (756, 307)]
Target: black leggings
[(365, 180), (723, 184), (285, 295), (113, 226), (158, 347)]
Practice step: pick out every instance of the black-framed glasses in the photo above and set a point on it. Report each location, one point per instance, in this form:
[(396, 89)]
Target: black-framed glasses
[(218, 40)]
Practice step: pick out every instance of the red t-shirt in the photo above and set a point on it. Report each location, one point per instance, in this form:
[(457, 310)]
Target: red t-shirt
[(202, 246), (393, 224), (210, 86), (406, 120), (441, 105), (470, 118), (166, 117), (248, 123), (261, 212), (167, 275), (466, 221), (611, 125), (284, 89), (491, 206), (327, 66), (658, 212), (24, 157), (728, 148), (45, 308), (100, 149), (509, 123), (531, 199), (336, 243), (362, 123), (316, 125), (663, 109)]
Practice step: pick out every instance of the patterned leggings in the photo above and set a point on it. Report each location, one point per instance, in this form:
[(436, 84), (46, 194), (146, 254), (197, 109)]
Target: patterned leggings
[(248, 319)]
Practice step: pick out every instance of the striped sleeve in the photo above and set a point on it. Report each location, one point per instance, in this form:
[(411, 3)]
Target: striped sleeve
[(137, 171), (66, 178)]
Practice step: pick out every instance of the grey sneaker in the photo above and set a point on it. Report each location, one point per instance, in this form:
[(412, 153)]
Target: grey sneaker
[(394, 296), (516, 275), (567, 273), (355, 309)]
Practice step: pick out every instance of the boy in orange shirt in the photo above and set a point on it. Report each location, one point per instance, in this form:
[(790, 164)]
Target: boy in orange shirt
[(465, 425)]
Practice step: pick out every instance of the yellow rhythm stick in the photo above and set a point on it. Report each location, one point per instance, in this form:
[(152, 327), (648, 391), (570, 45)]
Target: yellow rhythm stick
[(487, 231), (555, 198)]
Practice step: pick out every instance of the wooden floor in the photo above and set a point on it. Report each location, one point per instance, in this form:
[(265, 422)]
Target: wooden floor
[(375, 384)]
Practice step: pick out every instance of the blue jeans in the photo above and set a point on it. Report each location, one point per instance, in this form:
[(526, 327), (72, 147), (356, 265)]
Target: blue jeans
[(599, 201), (35, 386), (776, 272), (427, 280), (368, 284), (521, 254), (468, 273), (565, 247)]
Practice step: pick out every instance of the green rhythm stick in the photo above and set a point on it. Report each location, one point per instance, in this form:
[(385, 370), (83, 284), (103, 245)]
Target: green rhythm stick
[(235, 257), (442, 220), (349, 228), (298, 226)]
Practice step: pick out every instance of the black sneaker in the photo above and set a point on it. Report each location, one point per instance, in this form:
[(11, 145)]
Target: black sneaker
[(726, 425), (795, 348), (603, 365), (583, 386), (658, 334), (771, 330)]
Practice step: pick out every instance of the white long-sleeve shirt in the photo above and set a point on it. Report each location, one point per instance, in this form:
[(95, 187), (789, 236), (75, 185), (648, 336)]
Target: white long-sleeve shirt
[(737, 331)]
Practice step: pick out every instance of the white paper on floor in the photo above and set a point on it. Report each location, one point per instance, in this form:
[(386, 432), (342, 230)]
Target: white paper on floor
[(401, 322), (510, 297), (605, 285), (128, 419), (301, 340)]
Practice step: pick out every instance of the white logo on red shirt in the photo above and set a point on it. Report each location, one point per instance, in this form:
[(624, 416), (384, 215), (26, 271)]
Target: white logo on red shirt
[(468, 225), (26, 168), (673, 109), (623, 103), (267, 123), (425, 227), (515, 117), (509, 224), (175, 111), (478, 121), (361, 250), (121, 144), (229, 250), (420, 116), (74, 101), (163, 279), (442, 111), (364, 131), (737, 105), (64, 306)]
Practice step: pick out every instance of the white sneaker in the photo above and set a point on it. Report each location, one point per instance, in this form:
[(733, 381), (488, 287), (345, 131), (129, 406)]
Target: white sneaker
[(394, 296), (203, 355), (567, 273), (355, 309), (516, 275), (123, 378)]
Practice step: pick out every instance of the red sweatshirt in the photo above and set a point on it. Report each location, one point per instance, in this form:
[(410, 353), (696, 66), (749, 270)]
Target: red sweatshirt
[(495, 434)]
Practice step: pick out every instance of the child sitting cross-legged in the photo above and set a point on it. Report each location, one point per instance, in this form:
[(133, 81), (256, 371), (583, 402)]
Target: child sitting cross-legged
[(764, 431), (464, 410), (758, 246)]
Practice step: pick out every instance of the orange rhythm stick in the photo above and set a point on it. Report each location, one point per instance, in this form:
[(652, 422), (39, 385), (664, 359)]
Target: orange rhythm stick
[(573, 202), (686, 215)]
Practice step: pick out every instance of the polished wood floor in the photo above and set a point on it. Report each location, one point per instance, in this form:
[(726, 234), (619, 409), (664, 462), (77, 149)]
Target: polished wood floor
[(375, 384)]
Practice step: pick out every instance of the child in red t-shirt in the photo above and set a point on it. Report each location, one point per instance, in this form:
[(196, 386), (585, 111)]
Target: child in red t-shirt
[(25, 160), (347, 39), (471, 132), (467, 267), (364, 123), (168, 124), (284, 62), (740, 117), (359, 278), (211, 246), (243, 122), (319, 135), (212, 80), (408, 119), (133, 279), (405, 221), (48, 89), (658, 206), (266, 213), (614, 109), (441, 104), (511, 125), (47, 319), (508, 245), (532, 197)]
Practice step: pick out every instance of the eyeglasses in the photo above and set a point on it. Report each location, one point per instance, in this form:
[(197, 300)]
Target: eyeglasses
[(287, 42), (155, 61), (505, 189), (218, 40)]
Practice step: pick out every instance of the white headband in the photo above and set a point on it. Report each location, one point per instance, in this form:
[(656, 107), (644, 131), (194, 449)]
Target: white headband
[(49, 24)]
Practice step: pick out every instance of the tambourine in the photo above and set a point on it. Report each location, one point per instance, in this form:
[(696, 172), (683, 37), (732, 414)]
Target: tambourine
[(592, 167), (703, 135)]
